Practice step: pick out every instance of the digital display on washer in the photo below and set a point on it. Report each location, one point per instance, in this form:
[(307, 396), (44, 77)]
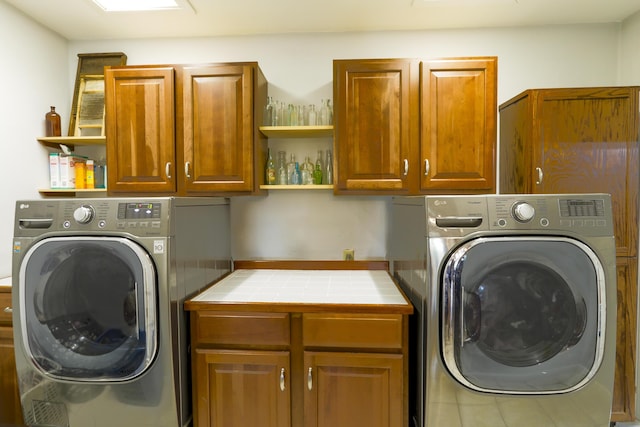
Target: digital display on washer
[(138, 210), (581, 207)]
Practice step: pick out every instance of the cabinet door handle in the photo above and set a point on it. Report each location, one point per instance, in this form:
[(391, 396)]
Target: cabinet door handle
[(8, 310), (540, 176), (282, 379), (426, 167), (310, 379), (167, 170), (187, 166), (406, 167)]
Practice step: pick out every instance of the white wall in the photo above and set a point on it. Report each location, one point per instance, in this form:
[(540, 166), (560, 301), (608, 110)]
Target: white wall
[(630, 51), (295, 225), (34, 75)]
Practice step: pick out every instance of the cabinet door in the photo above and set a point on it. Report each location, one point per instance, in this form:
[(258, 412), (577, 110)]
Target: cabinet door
[(139, 105), (241, 388), (353, 389), (588, 143), (458, 131), (10, 410), (216, 147), (375, 122)]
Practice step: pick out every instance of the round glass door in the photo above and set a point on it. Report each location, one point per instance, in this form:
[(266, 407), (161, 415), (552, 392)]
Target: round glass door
[(523, 315), (88, 307)]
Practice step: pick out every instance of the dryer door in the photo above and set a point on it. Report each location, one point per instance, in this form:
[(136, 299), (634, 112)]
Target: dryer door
[(88, 308), (523, 314)]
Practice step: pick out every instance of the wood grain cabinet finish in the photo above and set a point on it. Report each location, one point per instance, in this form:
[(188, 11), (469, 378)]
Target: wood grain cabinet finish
[(584, 140), (185, 129), (375, 123), (10, 409), (321, 369), (459, 125), (408, 127)]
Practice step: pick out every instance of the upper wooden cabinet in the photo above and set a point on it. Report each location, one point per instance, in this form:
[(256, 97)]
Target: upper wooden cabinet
[(185, 129), (405, 127), (140, 123), (458, 128), (575, 141), (375, 122)]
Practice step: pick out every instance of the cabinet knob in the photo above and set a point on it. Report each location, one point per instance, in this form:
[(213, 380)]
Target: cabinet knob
[(540, 176), (187, 166), (310, 379), (167, 170), (406, 167), (8, 310), (426, 167)]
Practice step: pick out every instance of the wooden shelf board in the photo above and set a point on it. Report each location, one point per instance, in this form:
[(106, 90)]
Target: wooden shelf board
[(71, 192), (56, 141), (297, 131), (297, 187)]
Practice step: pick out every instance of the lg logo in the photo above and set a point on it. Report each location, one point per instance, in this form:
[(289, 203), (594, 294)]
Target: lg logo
[(24, 206)]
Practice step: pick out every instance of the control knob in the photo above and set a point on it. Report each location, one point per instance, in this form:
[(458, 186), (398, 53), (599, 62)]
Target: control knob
[(83, 214), (523, 211)]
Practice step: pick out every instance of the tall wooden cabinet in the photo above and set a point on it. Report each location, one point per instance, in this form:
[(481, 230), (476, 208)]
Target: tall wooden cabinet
[(185, 129), (408, 127), (584, 140), (10, 409)]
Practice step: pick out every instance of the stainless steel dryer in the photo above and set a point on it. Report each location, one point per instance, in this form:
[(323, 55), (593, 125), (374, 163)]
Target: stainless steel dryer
[(101, 336), (515, 298)]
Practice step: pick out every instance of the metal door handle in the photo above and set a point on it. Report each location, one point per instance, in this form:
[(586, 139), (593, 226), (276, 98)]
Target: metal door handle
[(282, 379), (426, 167), (310, 379), (406, 167), (8, 310), (167, 170), (187, 166), (540, 176)]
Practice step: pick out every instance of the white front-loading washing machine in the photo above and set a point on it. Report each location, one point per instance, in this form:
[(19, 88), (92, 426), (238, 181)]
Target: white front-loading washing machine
[(515, 300)]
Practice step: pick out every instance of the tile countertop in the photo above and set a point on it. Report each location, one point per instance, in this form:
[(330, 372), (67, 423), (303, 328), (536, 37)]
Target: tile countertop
[(304, 288)]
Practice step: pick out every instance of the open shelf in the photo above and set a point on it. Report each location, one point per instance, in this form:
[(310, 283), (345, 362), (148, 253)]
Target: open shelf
[(297, 187), (71, 141), (71, 192)]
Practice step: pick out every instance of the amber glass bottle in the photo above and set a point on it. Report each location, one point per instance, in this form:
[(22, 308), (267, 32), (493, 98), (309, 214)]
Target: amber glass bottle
[(52, 120)]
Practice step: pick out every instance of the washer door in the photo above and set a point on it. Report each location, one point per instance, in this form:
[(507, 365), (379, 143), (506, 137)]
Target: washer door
[(88, 308), (523, 315)]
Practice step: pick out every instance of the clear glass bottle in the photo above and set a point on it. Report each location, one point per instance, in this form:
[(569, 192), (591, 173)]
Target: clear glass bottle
[(281, 173), (291, 167), (293, 115), (268, 112), (327, 178), (270, 170), (307, 171), (52, 121), (330, 107), (313, 115), (317, 172), (324, 113)]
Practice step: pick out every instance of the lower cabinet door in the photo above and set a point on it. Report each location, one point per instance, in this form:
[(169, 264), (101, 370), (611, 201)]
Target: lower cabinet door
[(353, 389), (10, 410), (238, 388)]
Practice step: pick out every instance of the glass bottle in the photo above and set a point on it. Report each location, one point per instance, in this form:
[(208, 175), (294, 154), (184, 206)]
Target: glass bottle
[(294, 179), (324, 113), (291, 167), (270, 170), (52, 121), (294, 115), (327, 178), (317, 172), (268, 112), (330, 108), (307, 171), (281, 177), (313, 115)]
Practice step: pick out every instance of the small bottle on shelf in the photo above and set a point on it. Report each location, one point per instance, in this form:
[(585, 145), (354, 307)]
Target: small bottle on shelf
[(281, 177), (291, 166), (270, 170), (327, 178), (52, 121), (313, 116), (294, 179), (317, 172)]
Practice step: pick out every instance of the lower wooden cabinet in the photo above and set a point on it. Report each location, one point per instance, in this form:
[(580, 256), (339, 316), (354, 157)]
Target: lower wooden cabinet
[(10, 409), (336, 369)]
